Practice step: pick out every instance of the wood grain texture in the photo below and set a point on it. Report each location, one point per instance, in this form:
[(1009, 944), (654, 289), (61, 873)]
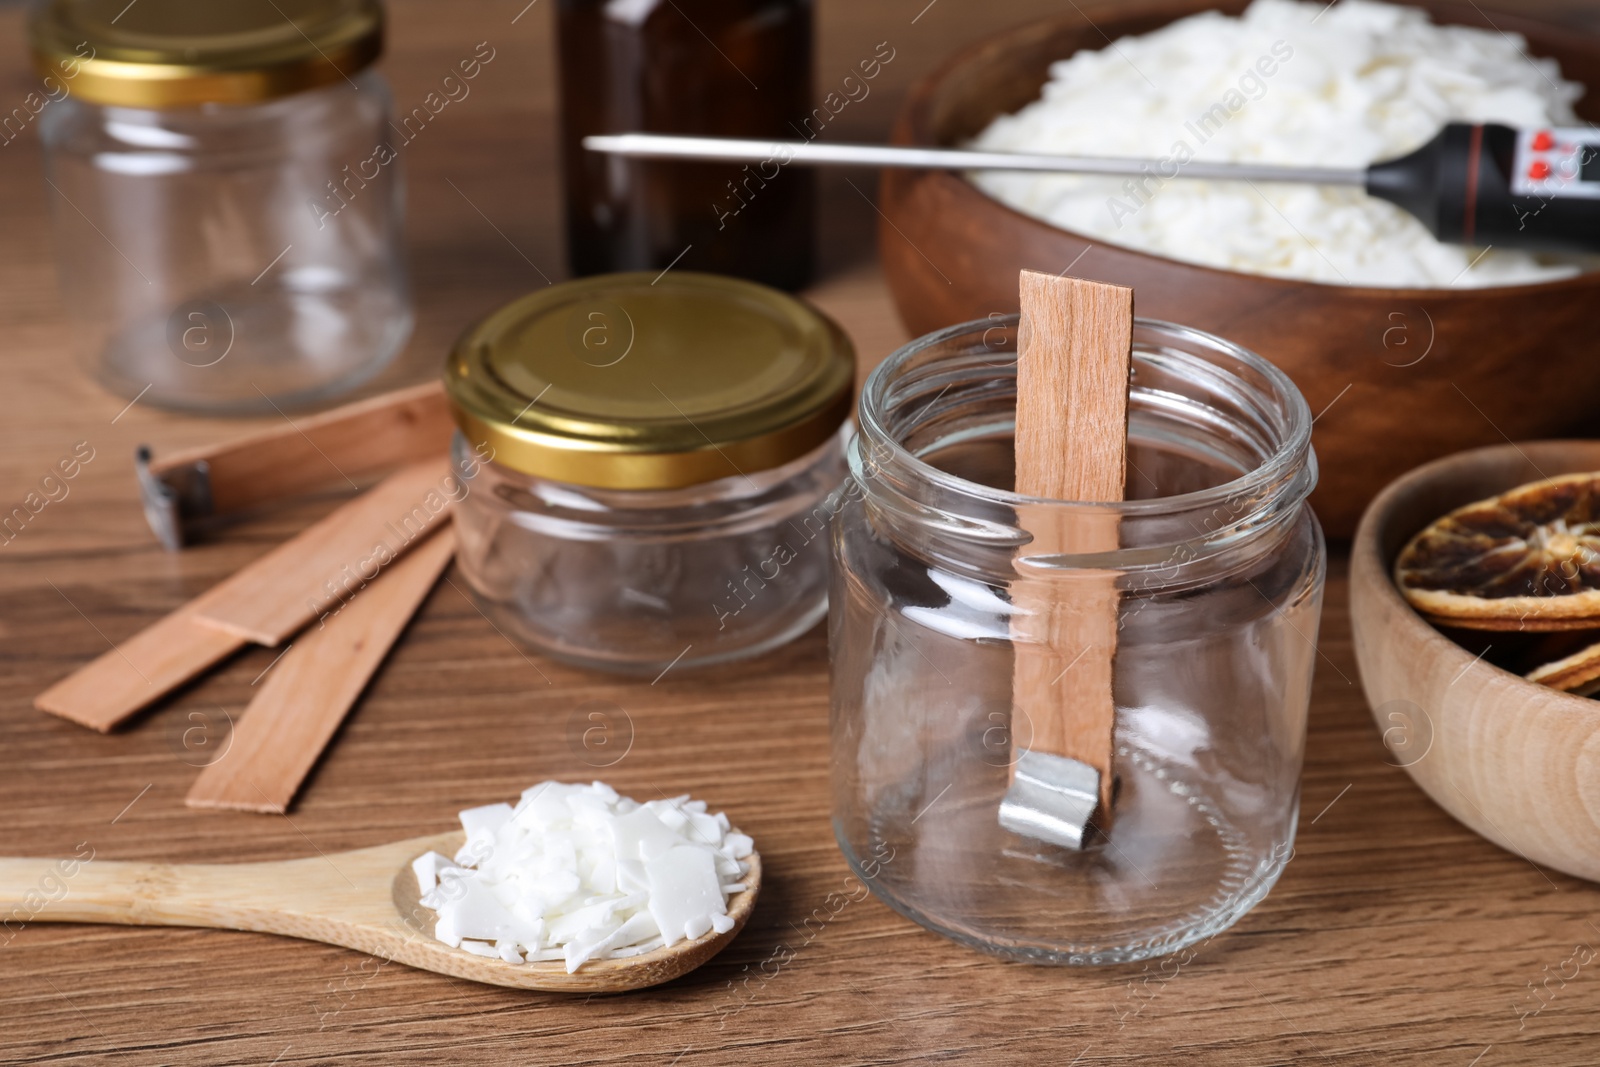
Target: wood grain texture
[(1516, 761), (312, 572), (950, 253), (138, 671), (366, 899), (1396, 936), (313, 687), (322, 450), (1074, 349)]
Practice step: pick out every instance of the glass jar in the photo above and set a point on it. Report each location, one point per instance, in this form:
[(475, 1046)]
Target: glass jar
[(1220, 573), (227, 197), (652, 465), (629, 580), (721, 68)]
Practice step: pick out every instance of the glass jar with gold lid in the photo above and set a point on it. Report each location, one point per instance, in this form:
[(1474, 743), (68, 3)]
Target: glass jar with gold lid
[(652, 463), (225, 180)]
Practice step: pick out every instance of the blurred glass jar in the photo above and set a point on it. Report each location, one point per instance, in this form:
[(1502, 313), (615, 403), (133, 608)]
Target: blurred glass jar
[(1220, 574), (227, 201), (651, 465)]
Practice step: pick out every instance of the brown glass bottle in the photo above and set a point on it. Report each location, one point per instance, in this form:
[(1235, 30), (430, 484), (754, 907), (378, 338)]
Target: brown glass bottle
[(722, 68)]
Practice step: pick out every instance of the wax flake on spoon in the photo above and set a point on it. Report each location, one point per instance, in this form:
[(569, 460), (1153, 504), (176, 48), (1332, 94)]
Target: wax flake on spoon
[(578, 873)]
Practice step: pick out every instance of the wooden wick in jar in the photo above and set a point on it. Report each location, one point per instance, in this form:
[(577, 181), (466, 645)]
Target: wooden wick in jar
[(1074, 352)]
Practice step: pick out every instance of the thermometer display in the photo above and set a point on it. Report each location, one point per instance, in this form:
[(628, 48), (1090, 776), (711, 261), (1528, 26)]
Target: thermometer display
[(1557, 163)]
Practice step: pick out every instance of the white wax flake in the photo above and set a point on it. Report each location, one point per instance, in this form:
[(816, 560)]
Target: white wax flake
[(673, 818), (485, 820), (578, 873), (644, 946), (705, 828), (426, 867), (684, 891), (642, 835), (479, 914), (630, 876)]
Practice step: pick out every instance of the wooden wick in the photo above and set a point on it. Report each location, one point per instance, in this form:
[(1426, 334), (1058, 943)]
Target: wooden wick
[(306, 697), (1074, 350), (266, 601)]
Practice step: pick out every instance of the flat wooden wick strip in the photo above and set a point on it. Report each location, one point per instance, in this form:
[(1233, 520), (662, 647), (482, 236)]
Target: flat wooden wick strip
[(266, 601), (317, 451), (1074, 351), (138, 671), (313, 572), (310, 691)]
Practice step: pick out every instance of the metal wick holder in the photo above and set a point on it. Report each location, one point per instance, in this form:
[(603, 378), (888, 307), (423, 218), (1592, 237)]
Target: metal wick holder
[(1051, 799), (175, 500)]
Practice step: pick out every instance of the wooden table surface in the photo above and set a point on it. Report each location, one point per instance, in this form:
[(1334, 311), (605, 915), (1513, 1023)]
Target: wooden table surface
[(1395, 936)]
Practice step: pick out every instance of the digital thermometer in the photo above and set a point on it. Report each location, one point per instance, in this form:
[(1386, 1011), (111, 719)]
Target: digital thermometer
[(1482, 185), (1537, 190)]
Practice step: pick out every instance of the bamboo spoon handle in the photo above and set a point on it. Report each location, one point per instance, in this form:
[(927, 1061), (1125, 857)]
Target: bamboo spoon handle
[(341, 898), (241, 897), (128, 893)]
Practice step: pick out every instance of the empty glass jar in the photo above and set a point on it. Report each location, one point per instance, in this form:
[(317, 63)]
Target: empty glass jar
[(1220, 574), (227, 196), (652, 464)]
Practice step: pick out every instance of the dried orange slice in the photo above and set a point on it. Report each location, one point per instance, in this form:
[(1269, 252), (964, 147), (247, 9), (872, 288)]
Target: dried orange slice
[(1528, 559), (1531, 624), (1578, 673)]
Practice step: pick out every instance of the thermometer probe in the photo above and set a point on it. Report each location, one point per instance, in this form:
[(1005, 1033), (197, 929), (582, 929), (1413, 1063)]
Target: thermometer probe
[(1483, 185)]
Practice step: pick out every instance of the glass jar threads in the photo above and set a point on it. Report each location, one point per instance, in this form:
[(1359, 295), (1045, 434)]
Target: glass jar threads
[(1220, 572), (226, 195), (651, 461)]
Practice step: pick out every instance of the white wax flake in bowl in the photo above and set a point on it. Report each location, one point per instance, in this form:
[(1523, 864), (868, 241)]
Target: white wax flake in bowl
[(577, 872), (1294, 83)]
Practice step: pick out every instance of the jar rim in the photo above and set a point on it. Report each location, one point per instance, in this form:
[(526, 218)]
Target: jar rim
[(1291, 453), (185, 53)]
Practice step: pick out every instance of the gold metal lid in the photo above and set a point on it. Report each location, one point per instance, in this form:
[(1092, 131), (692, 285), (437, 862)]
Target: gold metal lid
[(181, 53), (639, 381)]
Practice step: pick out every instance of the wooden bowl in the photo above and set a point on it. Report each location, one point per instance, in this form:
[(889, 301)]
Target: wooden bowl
[(1516, 762), (1428, 371)]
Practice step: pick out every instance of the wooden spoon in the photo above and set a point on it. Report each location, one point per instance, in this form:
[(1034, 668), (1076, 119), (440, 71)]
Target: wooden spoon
[(366, 900)]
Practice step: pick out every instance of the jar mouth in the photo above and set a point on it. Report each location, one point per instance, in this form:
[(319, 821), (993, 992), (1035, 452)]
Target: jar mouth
[(1290, 452), (1219, 448)]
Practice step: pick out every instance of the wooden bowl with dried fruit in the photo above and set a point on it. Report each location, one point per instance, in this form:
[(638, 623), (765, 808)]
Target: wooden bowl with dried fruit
[(1475, 609)]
